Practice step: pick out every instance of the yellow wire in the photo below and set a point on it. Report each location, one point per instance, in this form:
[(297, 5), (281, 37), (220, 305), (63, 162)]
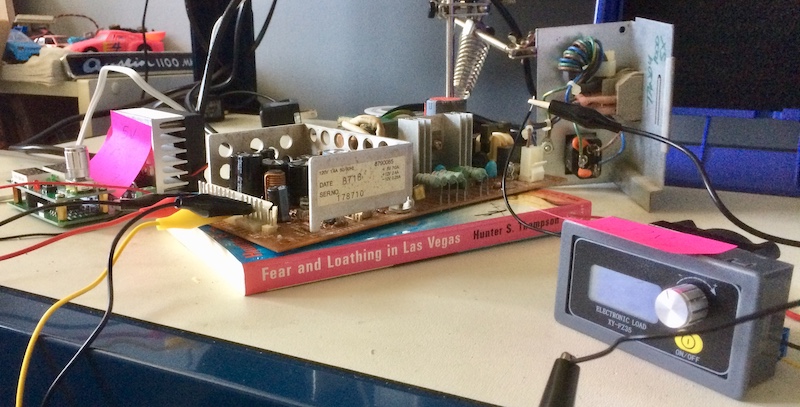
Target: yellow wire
[(23, 371), (550, 92), (791, 363)]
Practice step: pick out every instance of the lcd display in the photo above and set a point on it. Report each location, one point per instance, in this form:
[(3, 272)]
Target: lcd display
[(623, 293)]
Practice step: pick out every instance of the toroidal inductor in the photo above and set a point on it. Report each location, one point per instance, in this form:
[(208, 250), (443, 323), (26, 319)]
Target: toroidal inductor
[(274, 178)]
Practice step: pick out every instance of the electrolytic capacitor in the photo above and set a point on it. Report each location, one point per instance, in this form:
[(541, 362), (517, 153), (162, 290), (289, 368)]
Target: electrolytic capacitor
[(247, 174), (503, 153), (297, 180)]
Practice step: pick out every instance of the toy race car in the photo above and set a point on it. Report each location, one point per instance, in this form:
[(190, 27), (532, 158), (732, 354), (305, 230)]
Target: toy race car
[(51, 40), (19, 48), (120, 40)]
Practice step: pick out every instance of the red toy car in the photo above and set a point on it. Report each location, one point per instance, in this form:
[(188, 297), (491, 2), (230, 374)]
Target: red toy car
[(120, 40)]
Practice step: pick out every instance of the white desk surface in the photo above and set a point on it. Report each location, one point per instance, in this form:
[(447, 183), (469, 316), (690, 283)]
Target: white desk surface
[(478, 324)]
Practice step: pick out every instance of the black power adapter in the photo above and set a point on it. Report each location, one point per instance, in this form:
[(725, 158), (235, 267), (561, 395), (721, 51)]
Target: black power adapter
[(279, 113)]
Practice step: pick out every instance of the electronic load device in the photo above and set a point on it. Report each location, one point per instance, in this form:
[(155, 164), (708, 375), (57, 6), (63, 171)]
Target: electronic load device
[(610, 286)]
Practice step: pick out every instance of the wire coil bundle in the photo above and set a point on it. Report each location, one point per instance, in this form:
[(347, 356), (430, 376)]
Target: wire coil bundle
[(582, 59)]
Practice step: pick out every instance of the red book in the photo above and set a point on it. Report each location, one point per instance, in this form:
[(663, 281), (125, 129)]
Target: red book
[(255, 269)]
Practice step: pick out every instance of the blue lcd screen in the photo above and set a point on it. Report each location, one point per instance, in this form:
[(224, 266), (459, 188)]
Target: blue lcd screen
[(623, 293)]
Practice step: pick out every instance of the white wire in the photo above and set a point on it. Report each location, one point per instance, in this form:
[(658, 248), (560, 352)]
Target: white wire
[(212, 43), (98, 93)]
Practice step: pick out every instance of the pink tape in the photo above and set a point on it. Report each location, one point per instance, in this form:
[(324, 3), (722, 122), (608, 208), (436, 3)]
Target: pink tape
[(128, 147), (657, 237)]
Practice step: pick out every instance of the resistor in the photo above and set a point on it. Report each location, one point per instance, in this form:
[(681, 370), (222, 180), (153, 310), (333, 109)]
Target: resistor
[(430, 180), (438, 179), (456, 178), (473, 173)]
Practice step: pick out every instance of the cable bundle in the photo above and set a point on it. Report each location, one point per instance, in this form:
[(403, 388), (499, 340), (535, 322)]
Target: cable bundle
[(582, 59)]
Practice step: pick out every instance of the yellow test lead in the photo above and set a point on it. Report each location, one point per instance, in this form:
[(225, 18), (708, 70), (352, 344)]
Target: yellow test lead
[(26, 359), (185, 219)]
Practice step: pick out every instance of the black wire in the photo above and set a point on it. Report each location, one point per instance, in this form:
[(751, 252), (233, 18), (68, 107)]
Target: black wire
[(197, 35), (213, 50), (237, 34), (264, 27), (504, 191), (97, 114), (733, 322), (414, 107), (247, 92), (131, 203), (187, 98), (38, 149), (144, 41), (205, 82), (793, 345), (234, 68), (189, 105), (204, 44), (711, 191), (96, 26), (192, 89), (209, 84), (27, 235), (59, 125), (530, 81), (107, 315), (44, 207), (512, 24), (525, 120)]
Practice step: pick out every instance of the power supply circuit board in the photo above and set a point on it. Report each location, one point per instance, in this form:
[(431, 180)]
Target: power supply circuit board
[(295, 233), (48, 189), (344, 182), (80, 212)]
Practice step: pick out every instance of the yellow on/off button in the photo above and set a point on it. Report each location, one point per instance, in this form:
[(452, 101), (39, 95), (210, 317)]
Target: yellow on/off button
[(689, 343)]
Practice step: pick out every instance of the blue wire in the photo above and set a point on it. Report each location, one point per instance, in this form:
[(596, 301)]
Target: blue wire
[(619, 152), (568, 90)]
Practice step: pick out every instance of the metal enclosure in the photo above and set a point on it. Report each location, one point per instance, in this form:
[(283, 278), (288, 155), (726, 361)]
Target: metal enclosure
[(348, 172), (642, 45)]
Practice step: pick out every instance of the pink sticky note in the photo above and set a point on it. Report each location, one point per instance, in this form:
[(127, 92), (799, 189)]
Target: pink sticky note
[(657, 237), (124, 153)]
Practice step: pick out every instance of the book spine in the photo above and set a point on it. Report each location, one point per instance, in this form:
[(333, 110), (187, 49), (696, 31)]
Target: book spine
[(369, 255)]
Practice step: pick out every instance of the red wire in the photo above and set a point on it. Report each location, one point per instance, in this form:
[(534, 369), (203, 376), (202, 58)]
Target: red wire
[(90, 228), (793, 315), (199, 170), (77, 184), (80, 230)]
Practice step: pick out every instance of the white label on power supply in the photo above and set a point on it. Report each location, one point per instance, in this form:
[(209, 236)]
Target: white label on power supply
[(341, 184), (362, 180)]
